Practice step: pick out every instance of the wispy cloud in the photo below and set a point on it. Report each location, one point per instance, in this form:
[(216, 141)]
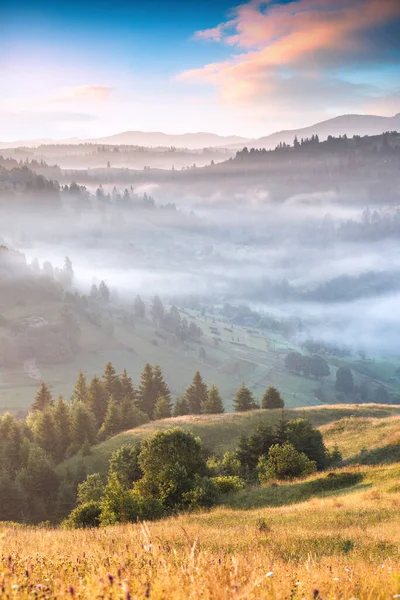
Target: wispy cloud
[(298, 47), (85, 93)]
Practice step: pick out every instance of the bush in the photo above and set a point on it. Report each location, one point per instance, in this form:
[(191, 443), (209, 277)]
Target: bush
[(284, 462), (203, 494), (225, 484), (84, 515), (90, 490)]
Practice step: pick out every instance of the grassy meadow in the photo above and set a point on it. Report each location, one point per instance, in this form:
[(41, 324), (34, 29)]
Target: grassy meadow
[(340, 545)]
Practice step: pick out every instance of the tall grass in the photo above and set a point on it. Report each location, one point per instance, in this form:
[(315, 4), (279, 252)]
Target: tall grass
[(341, 546)]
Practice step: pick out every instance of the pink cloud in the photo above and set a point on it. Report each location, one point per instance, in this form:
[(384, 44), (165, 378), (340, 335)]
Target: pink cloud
[(85, 93), (305, 38)]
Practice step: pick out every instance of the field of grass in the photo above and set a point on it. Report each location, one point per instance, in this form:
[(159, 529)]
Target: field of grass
[(378, 426), (343, 544)]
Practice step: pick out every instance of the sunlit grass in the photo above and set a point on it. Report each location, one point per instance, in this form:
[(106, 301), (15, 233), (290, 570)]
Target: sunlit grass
[(345, 545)]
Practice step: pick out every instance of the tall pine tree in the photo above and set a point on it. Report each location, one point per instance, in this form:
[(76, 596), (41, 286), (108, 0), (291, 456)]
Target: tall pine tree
[(146, 399), (272, 399), (111, 382), (196, 394), (160, 388), (97, 400), (162, 408), (43, 398), (81, 389), (213, 404), (113, 420), (83, 426), (244, 399), (62, 420)]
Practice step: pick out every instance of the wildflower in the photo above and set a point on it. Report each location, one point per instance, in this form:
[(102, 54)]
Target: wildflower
[(315, 593), (39, 586), (15, 586), (270, 574), (336, 579), (71, 590), (110, 578)]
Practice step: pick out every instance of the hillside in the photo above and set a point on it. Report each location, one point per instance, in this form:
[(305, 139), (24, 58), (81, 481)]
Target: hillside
[(342, 125), (322, 546), (379, 427)]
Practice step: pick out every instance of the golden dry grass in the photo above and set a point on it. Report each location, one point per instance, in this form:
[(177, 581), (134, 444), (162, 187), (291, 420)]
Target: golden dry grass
[(338, 547)]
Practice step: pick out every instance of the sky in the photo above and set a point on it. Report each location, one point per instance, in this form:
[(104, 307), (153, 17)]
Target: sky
[(88, 69)]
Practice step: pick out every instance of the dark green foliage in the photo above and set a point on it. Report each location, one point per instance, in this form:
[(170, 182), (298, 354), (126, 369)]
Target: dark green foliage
[(272, 399), (226, 484), (90, 490), (170, 460), (284, 462), (251, 448), (83, 427), (62, 422), (146, 400), (244, 399), (305, 438), (181, 407), (344, 380), (117, 504), (43, 398), (80, 390), (124, 464), (162, 408), (213, 404), (45, 432), (97, 400), (160, 388), (196, 394), (12, 499), (112, 383), (84, 515), (113, 420)]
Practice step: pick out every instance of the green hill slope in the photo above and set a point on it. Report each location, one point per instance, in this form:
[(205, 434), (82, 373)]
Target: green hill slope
[(379, 426)]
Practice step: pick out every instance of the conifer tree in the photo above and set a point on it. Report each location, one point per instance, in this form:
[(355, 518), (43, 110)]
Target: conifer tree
[(196, 394), (160, 388), (272, 399), (213, 404), (112, 421), (111, 382), (146, 400), (181, 407), (162, 408), (83, 426), (45, 433), (97, 400), (62, 420), (127, 389), (244, 399), (131, 416), (81, 389), (43, 398)]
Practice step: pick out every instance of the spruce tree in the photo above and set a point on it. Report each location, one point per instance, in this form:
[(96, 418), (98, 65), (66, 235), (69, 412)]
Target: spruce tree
[(113, 420), (81, 389), (97, 400), (162, 408), (112, 382), (196, 394), (131, 416), (127, 389), (160, 388), (181, 407), (83, 426), (62, 420), (146, 400), (213, 404), (244, 399), (45, 432), (272, 399), (43, 398)]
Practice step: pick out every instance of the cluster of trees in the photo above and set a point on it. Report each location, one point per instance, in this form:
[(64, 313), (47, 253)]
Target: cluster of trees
[(171, 472), (309, 366), (171, 320), (244, 399)]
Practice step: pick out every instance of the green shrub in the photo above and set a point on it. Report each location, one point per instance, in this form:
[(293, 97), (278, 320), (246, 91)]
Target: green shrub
[(284, 462), (203, 494), (90, 490), (84, 515), (225, 484)]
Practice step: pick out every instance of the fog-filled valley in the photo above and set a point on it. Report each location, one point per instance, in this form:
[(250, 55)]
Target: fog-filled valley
[(295, 248)]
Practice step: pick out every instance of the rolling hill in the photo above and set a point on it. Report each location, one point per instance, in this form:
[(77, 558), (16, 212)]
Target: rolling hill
[(341, 125)]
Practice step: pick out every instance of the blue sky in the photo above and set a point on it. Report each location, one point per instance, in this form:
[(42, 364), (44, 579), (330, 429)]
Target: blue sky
[(92, 68)]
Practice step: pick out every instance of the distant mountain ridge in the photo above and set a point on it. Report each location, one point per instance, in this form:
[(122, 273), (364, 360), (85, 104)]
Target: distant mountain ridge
[(344, 124)]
